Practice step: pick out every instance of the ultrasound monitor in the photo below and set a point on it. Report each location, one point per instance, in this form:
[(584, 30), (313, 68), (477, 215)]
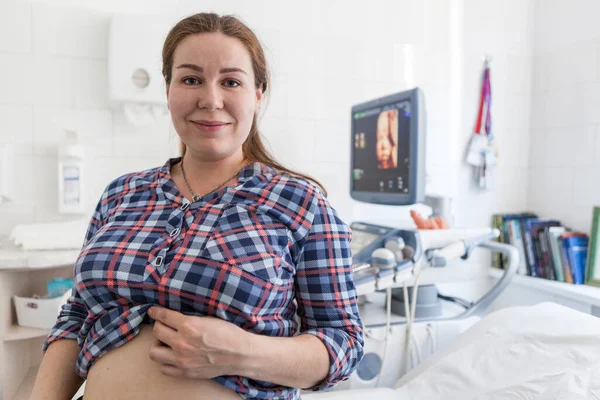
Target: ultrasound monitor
[(388, 149)]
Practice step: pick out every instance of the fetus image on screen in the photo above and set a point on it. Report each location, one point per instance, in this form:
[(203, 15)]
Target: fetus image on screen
[(387, 140)]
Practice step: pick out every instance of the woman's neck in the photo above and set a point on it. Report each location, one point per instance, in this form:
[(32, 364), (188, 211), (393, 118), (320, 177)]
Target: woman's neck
[(205, 175)]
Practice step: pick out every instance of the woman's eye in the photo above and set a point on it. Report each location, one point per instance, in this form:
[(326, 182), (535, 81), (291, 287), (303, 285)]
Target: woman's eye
[(231, 83), (190, 81)]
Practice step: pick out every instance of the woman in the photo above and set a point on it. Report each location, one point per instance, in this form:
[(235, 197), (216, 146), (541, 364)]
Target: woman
[(231, 246)]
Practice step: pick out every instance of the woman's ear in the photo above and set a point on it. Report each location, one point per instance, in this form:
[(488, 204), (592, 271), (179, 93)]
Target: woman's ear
[(259, 97), (167, 95)]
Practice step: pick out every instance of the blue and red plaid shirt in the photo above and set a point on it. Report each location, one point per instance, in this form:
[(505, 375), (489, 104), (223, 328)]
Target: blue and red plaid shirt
[(269, 255)]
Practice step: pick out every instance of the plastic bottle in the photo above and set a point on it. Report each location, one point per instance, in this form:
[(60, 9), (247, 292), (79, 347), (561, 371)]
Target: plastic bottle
[(70, 176)]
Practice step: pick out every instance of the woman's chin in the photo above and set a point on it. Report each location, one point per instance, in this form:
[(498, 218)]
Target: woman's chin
[(208, 152)]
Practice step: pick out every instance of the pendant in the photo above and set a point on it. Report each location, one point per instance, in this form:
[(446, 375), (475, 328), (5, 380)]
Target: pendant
[(195, 198)]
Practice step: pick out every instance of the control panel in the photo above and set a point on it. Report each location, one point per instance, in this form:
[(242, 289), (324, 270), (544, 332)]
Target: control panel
[(382, 256)]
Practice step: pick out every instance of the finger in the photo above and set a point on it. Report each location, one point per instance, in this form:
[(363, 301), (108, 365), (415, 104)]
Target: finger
[(419, 220), (441, 223), (165, 334), (433, 223), (162, 354), (168, 317), (171, 371)]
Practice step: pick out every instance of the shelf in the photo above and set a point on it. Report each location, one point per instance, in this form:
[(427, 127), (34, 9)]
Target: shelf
[(16, 332), (24, 391), (582, 293), (13, 258)]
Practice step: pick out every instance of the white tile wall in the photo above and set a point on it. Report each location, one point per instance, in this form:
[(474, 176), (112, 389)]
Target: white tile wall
[(565, 142), (81, 33), (17, 127), (559, 24), (53, 77), (15, 27), (504, 31), (325, 57), (93, 126)]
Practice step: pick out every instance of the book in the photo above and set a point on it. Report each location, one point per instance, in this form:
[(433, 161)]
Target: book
[(532, 245), (593, 262), (500, 222), (545, 260), (554, 233), (517, 241), (575, 245), (497, 224)]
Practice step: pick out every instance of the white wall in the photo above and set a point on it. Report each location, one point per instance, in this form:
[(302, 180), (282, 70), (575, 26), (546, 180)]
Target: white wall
[(53, 76), (504, 31), (565, 135), (325, 57)]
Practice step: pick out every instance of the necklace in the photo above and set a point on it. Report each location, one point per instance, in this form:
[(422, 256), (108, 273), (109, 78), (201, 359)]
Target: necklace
[(196, 197)]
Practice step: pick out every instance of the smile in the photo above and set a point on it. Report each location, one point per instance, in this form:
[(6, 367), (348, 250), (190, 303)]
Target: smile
[(210, 126)]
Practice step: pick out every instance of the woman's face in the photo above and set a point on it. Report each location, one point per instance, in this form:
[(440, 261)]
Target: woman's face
[(212, 95)]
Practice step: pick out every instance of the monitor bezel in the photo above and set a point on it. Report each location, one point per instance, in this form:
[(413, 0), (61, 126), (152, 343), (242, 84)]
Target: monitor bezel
[(416, 176)]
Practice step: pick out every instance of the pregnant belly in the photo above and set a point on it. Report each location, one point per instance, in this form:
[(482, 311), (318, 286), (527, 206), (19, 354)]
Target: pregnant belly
[(128, 373)]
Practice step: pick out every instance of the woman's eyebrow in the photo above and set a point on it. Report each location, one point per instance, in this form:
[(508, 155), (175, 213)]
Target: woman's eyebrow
[(226, 70), (222, 70)]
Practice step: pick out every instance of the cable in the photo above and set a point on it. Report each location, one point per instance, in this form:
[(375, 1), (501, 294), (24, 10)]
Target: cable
[(410, 316), (457, 300), (408, 322), (388, 293), (417, 348), (420, 357), (433, 341), (370, 336)]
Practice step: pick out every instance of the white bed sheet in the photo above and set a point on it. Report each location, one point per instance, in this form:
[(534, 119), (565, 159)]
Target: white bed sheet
[(540, 352)]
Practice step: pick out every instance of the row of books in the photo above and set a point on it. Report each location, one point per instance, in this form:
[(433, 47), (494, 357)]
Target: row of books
[(547, 249)]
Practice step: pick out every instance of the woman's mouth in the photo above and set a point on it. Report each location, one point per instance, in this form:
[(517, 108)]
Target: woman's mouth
[(210, 126)]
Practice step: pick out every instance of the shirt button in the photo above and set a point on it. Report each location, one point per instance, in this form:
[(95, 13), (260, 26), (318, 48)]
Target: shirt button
[(184, 206), (158, 261), (175, 232)]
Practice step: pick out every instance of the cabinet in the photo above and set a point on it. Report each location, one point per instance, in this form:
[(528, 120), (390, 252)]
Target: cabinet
[(23, 274)]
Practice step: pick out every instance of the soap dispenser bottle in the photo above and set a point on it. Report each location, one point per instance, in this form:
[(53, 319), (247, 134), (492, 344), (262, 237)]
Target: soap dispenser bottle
[(70, 175)]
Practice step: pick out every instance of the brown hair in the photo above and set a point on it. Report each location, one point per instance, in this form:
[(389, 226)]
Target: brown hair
[(253, 148)]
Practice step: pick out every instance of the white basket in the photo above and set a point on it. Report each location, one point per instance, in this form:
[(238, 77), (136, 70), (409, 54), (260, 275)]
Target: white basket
[(39, 313)]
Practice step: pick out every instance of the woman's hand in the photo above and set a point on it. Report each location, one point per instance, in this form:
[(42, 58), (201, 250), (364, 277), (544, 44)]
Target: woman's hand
[(196, 347)]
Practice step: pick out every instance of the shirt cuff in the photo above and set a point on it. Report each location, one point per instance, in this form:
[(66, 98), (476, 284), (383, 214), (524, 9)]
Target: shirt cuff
[(62, 330), (345, 352)]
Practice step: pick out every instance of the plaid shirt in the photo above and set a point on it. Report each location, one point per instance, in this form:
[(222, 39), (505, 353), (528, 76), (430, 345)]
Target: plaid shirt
[(269, 255)]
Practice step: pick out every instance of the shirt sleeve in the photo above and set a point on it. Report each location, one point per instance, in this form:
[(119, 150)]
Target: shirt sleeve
[(326, 296), (74, 312)]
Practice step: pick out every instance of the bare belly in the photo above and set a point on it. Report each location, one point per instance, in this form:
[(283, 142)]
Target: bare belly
[(128, 373)]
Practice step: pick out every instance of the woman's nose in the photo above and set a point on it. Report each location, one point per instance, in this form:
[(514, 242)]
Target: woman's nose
[(210, 98)]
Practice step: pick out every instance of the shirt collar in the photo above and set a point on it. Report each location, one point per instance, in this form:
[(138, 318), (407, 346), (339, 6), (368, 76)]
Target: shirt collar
[(166, 183), (253, 169)]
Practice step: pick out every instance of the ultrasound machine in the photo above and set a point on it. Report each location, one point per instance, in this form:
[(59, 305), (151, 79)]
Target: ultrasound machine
[(388, 167), (400, 183)]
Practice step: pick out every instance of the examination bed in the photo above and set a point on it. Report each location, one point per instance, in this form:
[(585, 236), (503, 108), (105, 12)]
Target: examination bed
[(542, 352)]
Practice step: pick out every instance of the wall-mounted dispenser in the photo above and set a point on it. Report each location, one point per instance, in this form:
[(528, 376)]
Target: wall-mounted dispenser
[(136, 84)]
